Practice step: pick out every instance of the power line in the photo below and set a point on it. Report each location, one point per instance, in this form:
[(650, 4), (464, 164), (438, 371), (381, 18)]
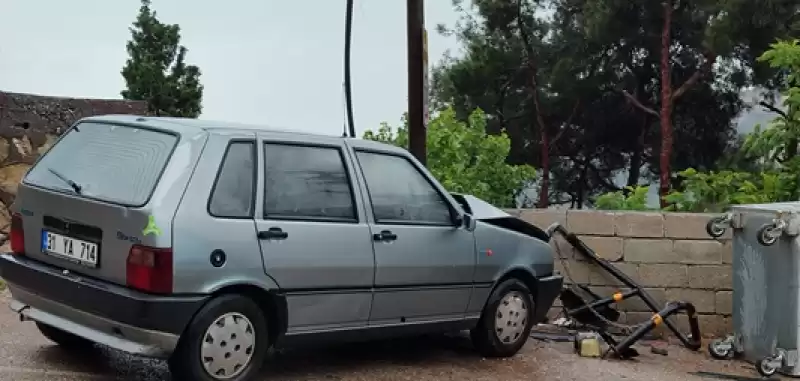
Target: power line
[(348, 37)]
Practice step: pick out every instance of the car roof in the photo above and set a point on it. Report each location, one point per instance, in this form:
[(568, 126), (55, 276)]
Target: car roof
[(187, 124)]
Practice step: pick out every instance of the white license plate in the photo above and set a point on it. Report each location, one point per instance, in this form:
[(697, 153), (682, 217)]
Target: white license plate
[(76, 250)]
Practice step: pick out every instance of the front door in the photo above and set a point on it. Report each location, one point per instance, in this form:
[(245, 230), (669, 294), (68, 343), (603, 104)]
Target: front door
[(424, 262), (315, 241)]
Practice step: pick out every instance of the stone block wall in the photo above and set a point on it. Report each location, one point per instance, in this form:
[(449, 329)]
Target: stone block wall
[(670, 254)]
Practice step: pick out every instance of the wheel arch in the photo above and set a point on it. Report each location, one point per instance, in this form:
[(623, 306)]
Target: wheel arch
[(271, 302), (521, 273)]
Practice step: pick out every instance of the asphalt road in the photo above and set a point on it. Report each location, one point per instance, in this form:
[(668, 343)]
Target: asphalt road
[(27, 356)]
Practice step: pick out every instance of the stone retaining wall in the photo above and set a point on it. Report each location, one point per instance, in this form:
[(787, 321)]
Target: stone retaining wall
[(670, 254)]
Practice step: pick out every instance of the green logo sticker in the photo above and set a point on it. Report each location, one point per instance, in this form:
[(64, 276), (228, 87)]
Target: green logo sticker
[(151, 227)]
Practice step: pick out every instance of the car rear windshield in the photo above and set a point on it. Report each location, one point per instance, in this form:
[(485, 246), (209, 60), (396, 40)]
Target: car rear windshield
[(108, 162)]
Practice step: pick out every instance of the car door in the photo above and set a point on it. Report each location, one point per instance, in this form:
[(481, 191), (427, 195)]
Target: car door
[(315, 241), (424, 259)]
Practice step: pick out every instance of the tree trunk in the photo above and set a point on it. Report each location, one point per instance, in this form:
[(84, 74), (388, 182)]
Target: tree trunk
[(666, 104)]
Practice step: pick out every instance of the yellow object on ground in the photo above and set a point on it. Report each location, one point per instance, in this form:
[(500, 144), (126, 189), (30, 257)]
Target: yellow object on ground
[(587, 345)]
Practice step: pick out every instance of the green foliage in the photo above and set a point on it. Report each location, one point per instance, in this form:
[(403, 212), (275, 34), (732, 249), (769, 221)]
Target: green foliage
[(716, 191), (633, 198), (156, 71), (778, 142), (464, 158)]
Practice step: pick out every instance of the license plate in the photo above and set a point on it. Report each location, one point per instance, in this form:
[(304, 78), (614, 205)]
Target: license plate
[(76, 250)]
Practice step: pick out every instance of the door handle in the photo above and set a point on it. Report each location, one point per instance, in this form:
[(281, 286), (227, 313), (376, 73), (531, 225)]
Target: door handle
[(385, 235), (273, 233)]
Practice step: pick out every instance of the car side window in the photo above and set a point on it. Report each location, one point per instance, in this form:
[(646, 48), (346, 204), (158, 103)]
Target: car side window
[(400, 193), (306, 182), (233, 192)]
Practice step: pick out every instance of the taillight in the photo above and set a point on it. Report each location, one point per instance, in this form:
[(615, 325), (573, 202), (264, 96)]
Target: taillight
[(17, 234), (150, 269)]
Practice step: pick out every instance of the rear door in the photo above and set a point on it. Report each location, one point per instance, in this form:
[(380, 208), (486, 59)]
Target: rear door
[(314, 238), (85, 202)]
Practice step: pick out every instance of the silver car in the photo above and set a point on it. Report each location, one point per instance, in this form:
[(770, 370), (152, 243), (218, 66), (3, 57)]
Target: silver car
[(207, 243)]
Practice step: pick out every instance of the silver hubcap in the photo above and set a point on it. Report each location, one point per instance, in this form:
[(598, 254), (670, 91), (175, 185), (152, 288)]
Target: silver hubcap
[(228, 346), (511, 318)]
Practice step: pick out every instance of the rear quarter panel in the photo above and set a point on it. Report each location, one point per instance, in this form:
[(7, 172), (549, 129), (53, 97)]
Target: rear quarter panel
[(501, 251), (197, 234)]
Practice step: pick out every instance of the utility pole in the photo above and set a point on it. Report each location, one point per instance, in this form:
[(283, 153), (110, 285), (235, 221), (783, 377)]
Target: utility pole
[(417, 81)]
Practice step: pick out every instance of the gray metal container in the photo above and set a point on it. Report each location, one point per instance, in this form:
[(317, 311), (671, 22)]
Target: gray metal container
[(766, 285)]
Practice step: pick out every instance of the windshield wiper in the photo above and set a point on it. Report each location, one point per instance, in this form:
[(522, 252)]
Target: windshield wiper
[(75, 186)]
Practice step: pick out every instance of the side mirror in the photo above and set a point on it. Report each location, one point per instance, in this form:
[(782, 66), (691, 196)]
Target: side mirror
[(468, 222)]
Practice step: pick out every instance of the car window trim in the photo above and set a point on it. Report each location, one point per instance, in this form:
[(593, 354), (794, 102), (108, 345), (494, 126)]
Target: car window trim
[(177, 135), (345, 165), (231, 142), (424, 175)]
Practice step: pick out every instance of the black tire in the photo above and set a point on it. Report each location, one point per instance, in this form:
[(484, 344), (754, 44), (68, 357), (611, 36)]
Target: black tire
[(186, 363), (485, 337), (63, 338), (719, 353)]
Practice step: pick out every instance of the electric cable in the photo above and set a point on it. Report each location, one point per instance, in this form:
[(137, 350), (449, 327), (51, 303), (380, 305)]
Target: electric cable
[(348, 37), (344, 113)]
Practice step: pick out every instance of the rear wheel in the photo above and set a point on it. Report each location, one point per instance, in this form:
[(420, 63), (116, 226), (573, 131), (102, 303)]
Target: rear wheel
[(506, 321), (64, 338), (226, 340)]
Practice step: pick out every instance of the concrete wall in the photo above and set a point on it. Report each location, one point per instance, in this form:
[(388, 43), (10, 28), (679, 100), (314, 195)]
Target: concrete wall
[(670, 254)]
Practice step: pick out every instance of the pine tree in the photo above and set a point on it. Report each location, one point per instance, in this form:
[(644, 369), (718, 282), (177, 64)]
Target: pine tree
[(156, 71)]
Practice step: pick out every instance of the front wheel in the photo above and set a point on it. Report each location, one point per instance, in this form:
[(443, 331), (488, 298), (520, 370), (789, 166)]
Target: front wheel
[(506, 321), (226, 340)]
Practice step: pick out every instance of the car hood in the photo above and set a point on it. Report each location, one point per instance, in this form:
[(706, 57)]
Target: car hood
[(490, 214)]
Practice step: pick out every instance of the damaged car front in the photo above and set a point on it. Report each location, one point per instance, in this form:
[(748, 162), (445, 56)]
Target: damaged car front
[(508, 246)]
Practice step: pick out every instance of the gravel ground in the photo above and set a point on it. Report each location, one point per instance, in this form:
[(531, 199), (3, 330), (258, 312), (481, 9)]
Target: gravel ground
[(25, 355)]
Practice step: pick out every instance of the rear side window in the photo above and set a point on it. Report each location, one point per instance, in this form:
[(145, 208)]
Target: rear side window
[(109, 162), (234, 191), (306, 182)]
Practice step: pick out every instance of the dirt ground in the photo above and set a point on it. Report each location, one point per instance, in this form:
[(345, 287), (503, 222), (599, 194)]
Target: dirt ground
[(26, 356)]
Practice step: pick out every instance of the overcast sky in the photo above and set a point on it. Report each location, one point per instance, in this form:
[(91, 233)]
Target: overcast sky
[(272, 62)]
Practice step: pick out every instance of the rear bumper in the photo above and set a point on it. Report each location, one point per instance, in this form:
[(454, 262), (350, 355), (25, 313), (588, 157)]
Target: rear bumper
[(112, 315), (547, 290)]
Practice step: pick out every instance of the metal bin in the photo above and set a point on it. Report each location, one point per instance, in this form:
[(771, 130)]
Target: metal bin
[(766, 286)]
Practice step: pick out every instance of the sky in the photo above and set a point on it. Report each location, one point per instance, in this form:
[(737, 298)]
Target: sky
[(271, 62)]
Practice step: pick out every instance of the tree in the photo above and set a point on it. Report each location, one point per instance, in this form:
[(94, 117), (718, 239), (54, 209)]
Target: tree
[(156, 71), (464, 158), (554, 87), (695, 43), (772, 150), (507, 71), (646, 87)]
